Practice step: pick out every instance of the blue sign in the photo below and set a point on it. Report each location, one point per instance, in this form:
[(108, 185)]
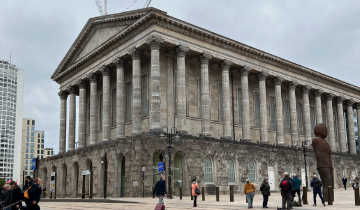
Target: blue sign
[(161, 166), (33, 164)]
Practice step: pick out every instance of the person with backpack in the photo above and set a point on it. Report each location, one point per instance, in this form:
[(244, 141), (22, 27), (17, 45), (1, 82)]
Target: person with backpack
[(34, 195), (249, 190), (286, 187), (160, 189), (195, 191), (16, 195), (316, 184), (265, 191), (296, 187)]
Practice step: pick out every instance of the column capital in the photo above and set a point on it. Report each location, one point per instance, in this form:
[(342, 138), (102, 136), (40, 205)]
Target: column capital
[(357, 106), (350, 102), (105, 70), (92, 77), (244, 71), (181, 51), (205, 57), (225, 64), (119, 63), (134, 53), (154, 42), (330, 96), (318, 92), (292, 85), (340, 100), (262, 76), (278, 81), (81, 83), (72, 90), (305, 89), (63, 95)]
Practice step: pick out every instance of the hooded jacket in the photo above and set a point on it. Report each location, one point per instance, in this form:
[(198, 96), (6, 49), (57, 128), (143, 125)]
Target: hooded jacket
[(265, 188), (297, 183), (249, 187)]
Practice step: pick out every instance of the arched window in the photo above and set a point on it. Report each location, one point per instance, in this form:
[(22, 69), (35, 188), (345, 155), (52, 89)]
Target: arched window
[(252, 172), (231, 171), (208, 170), (288, 169)]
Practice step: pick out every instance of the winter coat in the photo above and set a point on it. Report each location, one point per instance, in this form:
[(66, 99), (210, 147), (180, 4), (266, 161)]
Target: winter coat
[(289, 188), (35, 193), (297, 183), (265, 188), (312, 185), (2, 193), (249, 188), (7, 198), (194, 186), (344, 180), (160, 188), (27, 185), (16, 196)]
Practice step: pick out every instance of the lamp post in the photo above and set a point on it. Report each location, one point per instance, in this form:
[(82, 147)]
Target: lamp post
[(303, 144), (105, 171)]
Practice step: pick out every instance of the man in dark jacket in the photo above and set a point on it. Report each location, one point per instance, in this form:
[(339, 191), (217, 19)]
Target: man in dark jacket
[(160, 189), (265, 191), (344, 181), (296, 188), (286, 187), (28, 183), (7, 197), (2, 191), (316, 184), (34, 195)]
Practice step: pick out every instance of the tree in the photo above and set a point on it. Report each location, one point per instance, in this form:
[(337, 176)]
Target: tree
[(2, 181)]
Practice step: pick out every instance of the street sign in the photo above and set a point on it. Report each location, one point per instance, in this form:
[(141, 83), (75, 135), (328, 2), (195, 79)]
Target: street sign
[(87, 172), (33, 164), (161, 166), (143, 169)]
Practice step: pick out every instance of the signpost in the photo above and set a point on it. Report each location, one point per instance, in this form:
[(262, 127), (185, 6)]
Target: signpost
[(33, 165), (143, 170), (161, 166)]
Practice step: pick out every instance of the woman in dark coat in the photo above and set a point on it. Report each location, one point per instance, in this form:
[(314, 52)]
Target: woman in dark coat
[(265, 191), (16, 195)]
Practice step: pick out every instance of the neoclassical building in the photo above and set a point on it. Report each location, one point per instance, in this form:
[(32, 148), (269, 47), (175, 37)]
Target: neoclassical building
[(240, 112)]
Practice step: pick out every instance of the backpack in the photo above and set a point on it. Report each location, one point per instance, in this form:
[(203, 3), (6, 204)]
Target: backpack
[(26, 193), (285, 185), (317, 184)]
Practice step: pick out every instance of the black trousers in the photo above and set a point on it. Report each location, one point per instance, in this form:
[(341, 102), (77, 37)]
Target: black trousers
[(297, 192), (31, 206), (344, 186), (266, 199), (286, 201), (195, 197)]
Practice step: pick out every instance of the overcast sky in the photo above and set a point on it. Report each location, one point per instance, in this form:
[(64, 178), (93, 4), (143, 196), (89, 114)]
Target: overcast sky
[(322, 35)]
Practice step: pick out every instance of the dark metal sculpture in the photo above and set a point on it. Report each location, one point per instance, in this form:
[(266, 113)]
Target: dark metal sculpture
[(323, 156)]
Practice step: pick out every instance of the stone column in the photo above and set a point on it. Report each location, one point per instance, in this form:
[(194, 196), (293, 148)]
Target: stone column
[(279, 112), (225, 65), (72, 119), (136, 92), (106, 103), (350, 119), (330, 121), (62, 133), (341, 124), (82, 114), (245, 103), (154, 119), (263, 108), (307, 120), (318, 94), (181, 89), (358, 119), (293, 114), (120, 98), (93, 108), (205, 94)]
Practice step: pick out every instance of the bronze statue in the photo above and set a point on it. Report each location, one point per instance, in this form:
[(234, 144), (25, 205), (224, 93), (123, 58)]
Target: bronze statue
[(323, 156)]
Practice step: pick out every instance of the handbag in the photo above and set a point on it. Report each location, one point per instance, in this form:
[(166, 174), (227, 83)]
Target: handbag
[(197, 191)]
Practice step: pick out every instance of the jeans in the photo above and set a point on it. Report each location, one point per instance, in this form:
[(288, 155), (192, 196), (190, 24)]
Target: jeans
[(250, 198), (195, 197), (266, 199), (286, 200), (161, 198), (320, 195)]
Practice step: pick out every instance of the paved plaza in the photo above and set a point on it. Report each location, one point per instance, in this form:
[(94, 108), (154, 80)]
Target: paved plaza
[(343, 200)]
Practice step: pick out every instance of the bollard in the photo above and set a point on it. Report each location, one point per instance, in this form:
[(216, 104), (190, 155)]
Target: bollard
[(180, 193), (170, 192), (305, 195), (231, 193), (217, 194), (330, 199), (192, 198), (203, 193), (51, 195), (357, 199)]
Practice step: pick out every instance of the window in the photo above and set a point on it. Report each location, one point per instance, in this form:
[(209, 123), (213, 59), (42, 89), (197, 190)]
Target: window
[(221, 108), (257, 110), (32, 133), (26, 162), (27, 150), (31, 156), (239, 103), (27, 144), (28, 128), (208, 170), (42, 156), (32, 139), (101, 109), (300, 118), (144, 96), (114, 111), (324, 116), (199, 98), (128, 101), (52, 152), (32, 151), (31, 173), (231, 171), (272, 113), (27, 133), (32, 144), (312, 119), (27, 139), (42, 152), (38, 146), (27, 156), (28, 122), (48, 152), (288, 169), (42, 135), (26, 167), (38, 135), (38, 151), (252, 172), (38, 141), (32, 128), (287, 116), (42, 141), (33, 122)]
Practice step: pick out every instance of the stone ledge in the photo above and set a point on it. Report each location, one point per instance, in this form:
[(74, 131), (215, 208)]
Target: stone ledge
[(96, 200)]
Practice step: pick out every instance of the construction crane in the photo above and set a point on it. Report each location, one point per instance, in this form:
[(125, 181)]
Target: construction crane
[(147, 2), (98, 4)]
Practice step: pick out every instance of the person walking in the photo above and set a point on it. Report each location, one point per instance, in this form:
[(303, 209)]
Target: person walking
[(28, 183), (194, 186), (16, 195), (265, 191), (286, 187), (34, 195), (356, 182), (249, 190), (316, 184), (344, 181), (7, 200), (296, 187), (160, 189), (44, 191)]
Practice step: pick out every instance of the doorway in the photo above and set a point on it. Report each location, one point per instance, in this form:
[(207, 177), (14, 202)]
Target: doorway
[(271, 173), (178, 178), (122, 189)]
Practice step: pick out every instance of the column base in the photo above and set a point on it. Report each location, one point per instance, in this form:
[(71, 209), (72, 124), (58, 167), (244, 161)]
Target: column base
[(204, 135), (182, 132)]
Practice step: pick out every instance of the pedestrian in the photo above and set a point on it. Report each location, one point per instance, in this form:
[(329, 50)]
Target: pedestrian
[(7, 197), (44, 191), (34, 195), (249, 190), (286, 187), (352, 181), (356, 182), (296, 187), (194, 192), (16, 195), (316, 184), (344, 181), (2, 192), (160, 189), (265, 191), (28, 183)]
